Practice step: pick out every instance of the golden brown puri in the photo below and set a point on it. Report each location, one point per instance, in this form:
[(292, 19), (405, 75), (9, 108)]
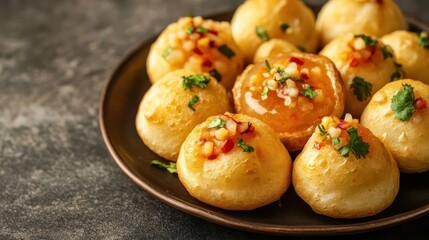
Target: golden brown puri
[(272, 48), (257, 21), (398, 115), (168, 111), (291, 93), (344, 171), (199, 45), (377, 18), (365, 65), (412, 51), (234, 162)]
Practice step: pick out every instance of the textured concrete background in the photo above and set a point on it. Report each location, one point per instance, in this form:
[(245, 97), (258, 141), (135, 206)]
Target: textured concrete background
[(56, 178)]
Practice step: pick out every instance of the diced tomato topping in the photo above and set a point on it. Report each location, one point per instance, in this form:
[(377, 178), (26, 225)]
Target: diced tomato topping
[(228, 146), (354, 62), (420, 103), (296, 60), (213, 156), (208, 63), (344, 125), (214, 32), (304, 76), (198, 51), (318, 145)]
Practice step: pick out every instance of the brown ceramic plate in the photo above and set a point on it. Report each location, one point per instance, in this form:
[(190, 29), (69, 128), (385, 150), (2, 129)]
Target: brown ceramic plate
[(289, 216)]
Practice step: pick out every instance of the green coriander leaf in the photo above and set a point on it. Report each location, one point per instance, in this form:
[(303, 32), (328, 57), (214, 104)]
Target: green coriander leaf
[(262, 33), (244, 146), (402, 103), (171, 166), (284, 27), (191, 102), (423, 40), (336, 141), (395, 76), (398, 74), (214, 73), (322, 129), (197, 80), (190, 30), (225, 50), (167, 52), (308, 92), (386, 52), (267, 65), (216, 123), (368, 40), (302, 49), (265, 91), (361, 88), (202, 30), (356, 145)]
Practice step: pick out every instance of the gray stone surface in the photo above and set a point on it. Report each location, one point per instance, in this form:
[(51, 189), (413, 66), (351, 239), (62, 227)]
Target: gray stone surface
[(56, 178)]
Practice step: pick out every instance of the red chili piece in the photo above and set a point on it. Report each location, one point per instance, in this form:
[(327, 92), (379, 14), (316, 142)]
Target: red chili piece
[(304, 76), (420, 103), (296, 60), (213, 156), (344, 125), (354, 62), (198, 51), (208, 63), (214, 32), (228, 146)]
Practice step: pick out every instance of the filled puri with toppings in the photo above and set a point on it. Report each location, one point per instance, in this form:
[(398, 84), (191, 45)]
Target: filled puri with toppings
[(257, 21), (412, 52), (234, 162), (365, 65), (398, 115), (291, 93), (344, 171), (199, 45), (372, 17), (174, 105)]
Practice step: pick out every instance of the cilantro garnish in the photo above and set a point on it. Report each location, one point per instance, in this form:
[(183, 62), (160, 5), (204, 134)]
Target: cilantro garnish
[(264, 92), (244, 146), (286, 77), (402, 103), (214, 73), (336, 141), (167, 52), (216, 123), (356, 145), (361, 88), (284, 26), (267, 65), (225, 50), (322, 129), (368, 40), (423, 40), (262, 33), (308, 92), (191, 102), (202, 30), (190, 30), (398, 74), (386, 52), (171, 166), (197, 80)]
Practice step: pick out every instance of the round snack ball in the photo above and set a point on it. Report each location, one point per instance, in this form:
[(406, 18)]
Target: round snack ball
[(344, 171), (365, 65), (372, 17), (195, 44), (398, 115), (291, 93), (272, 48), (257, 21), (234, 162), (169, 112), (412, 51)]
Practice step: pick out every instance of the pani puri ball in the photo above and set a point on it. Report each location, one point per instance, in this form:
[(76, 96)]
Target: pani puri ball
[(234, 162), (199, 45), (272, 48), (372, 17), (412, 51), (174, 105), (365, 65), (398, 115), (291, 93), (344, 171), (257, 21)]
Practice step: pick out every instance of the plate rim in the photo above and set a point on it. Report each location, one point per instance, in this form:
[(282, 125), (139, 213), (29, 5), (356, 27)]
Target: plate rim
[(218, 218)]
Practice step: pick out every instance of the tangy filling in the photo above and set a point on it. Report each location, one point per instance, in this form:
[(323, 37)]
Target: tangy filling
[(199, 44), (342, 135), (223, 134), (295, 90)]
